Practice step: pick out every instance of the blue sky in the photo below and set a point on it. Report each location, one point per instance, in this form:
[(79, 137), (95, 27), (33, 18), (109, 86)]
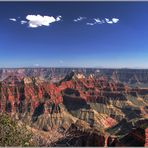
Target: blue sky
[(77, 34)]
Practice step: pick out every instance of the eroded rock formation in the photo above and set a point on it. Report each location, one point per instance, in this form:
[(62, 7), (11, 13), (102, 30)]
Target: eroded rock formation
[(94, 99)]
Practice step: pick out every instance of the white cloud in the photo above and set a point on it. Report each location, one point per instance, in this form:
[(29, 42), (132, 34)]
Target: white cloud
[(97, 20), (59, 18), (35, 21), (108, 21), (23, 22), (115, 20), (79, 19), (12, 19), (91, 24)]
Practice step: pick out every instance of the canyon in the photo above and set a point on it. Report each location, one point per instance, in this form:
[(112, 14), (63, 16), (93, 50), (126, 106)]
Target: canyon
[(78, 106)]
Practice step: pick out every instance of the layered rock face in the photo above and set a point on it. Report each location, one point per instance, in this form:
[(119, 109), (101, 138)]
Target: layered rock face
[(81, 101)]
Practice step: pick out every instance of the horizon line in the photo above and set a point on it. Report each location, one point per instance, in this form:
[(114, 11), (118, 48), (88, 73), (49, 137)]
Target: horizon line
[(78, 67)]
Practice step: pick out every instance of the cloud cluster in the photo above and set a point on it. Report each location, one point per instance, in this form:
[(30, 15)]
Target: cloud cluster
[(114, 20), (95, 21), (106, 20), (35, 21), (79, 19)]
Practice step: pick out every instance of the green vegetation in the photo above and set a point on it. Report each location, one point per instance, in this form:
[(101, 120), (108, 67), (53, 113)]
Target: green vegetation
[(13, 133), (144, 125)]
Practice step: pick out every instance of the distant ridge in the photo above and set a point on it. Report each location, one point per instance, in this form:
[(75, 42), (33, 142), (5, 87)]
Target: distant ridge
[(66, 67)]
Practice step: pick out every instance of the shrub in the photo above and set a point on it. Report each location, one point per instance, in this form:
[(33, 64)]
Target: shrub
[(13, 133)]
